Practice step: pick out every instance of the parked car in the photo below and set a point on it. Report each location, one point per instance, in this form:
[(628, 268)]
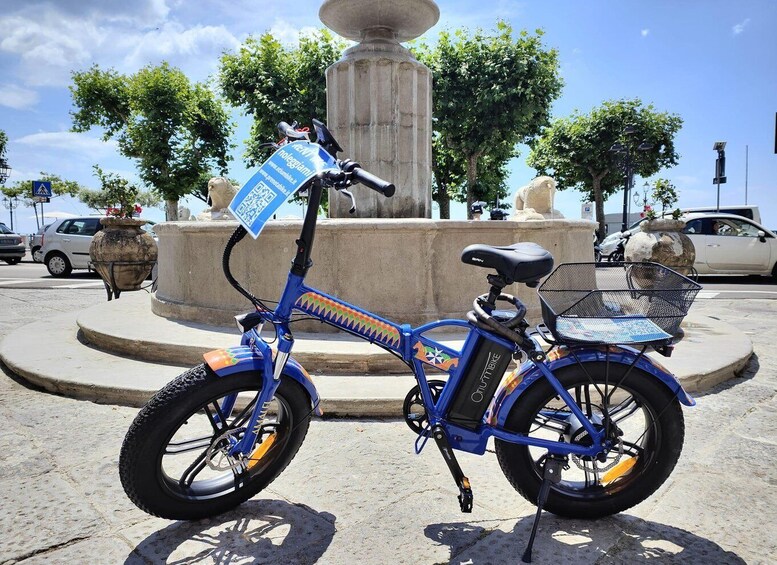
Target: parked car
[(36, 243), (731, 244), (12, 247), (66, 244)]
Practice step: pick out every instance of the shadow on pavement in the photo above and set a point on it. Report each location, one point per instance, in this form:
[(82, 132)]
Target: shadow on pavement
[(261, 531), (617, 539)]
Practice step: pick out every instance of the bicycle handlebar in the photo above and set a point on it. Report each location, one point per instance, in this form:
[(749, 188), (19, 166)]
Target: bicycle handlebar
[(375, 183)]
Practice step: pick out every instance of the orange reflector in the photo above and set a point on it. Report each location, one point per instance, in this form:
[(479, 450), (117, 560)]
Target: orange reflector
[(619, 470), (261, 450)]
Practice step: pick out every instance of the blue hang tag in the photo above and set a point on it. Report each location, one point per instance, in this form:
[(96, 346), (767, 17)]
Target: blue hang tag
[(276, 181)]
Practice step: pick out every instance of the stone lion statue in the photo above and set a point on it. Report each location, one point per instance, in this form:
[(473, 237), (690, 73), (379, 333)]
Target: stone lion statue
[(535, 200), (220, 194), (184, 214)]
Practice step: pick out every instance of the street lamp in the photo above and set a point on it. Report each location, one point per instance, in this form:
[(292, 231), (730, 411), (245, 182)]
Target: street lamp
[(642, 198), (720, 167), (5, 170), (11, 204), (625, 150)]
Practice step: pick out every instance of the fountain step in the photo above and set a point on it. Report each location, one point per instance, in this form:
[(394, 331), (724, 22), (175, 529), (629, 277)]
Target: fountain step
[(128, 327)]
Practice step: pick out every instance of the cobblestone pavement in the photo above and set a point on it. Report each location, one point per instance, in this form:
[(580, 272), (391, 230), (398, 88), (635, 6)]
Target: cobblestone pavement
[(356, 493)]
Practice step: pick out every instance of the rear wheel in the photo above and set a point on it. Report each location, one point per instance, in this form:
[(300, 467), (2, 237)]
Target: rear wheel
[(58, 266), (647, 429), (37, 256), (174, 461)]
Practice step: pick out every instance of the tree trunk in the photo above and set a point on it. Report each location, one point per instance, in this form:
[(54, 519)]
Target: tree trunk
[(599, 200), (472, 179), (444, 201), (171, 210)]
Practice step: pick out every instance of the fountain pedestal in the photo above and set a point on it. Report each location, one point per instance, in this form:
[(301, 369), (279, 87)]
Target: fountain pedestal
[(379, 103)]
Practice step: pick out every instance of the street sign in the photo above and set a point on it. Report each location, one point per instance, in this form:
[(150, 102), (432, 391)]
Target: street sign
[(276, 181), (721, 180), (41, 199), (41, 188)]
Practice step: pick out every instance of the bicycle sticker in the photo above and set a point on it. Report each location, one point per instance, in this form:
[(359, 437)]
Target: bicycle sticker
[(276, 181)]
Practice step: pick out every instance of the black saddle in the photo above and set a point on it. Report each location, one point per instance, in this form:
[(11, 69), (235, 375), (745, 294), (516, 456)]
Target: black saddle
[(519, 262)]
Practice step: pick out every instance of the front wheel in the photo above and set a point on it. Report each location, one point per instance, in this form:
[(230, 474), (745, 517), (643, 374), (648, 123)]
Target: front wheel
[(174, 462), (646, 426)]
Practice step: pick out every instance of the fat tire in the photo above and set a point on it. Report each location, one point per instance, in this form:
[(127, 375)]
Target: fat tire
[(140, 458), (524, 475)]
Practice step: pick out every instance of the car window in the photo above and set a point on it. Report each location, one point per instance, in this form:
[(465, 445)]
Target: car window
[(4, 229), (80, 226), (733, 228), (694, 226)]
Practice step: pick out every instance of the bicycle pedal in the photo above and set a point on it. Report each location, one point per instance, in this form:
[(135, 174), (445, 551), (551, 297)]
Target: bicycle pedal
[(465, 496)]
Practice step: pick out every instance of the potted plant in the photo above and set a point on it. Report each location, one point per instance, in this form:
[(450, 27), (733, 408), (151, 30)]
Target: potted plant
[(122, 252), (661, 239)]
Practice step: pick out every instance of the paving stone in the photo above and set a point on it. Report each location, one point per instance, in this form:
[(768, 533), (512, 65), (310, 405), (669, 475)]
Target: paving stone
[(266, 531), (95, 551), (42, 512)]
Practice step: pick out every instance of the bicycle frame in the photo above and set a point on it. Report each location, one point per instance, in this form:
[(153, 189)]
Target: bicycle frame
[(410, 344)]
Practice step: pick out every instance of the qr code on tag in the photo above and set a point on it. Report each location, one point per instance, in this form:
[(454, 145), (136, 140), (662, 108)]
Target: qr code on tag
[(255, 202)]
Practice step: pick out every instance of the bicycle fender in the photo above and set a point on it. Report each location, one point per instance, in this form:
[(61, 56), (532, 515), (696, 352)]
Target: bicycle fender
[(524, 376), (225, 362)]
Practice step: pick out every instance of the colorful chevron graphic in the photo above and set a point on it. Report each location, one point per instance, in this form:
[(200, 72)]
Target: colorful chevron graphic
[(342, 315), (434, 357)]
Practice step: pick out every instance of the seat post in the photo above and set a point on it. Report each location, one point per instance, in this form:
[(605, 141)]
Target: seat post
[(497, 282)]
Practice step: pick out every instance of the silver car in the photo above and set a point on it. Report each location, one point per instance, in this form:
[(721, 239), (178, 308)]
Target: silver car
[(12, 248), (66, 244)]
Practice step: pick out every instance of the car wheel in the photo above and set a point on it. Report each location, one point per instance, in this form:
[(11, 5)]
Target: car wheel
[(774, 271), (37, 256), (58, 265)]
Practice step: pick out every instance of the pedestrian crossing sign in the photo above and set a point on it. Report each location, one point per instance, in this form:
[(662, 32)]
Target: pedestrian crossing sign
[(41, 189)]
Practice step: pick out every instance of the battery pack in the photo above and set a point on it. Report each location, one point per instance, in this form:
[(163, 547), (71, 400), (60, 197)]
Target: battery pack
[(479, 382)]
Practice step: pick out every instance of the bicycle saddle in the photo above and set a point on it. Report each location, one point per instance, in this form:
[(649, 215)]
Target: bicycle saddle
[(520, 262)]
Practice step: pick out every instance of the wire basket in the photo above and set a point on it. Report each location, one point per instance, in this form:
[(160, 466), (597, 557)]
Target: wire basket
[(615, 302)]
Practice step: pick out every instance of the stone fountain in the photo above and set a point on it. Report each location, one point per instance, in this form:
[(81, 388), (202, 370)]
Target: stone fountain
[(379, 102), (390, 259)]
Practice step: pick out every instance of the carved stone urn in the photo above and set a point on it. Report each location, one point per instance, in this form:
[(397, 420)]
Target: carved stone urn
[(662, 241), (123, 254)]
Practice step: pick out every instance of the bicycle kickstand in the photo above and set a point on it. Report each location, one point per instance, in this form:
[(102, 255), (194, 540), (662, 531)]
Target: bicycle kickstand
[(465, 492), (551, 474)]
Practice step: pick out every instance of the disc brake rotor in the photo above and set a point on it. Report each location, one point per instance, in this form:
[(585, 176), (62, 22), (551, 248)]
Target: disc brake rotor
[(218, 457)]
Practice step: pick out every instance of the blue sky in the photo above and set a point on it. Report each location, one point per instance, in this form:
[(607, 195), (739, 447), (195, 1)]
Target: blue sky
[(712, 62)]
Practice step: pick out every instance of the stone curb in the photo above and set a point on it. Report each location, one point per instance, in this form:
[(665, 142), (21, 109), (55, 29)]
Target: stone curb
[(51, 355)]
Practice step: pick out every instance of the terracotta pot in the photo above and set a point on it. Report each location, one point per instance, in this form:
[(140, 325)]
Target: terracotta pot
[(123, 253), (662, 241)]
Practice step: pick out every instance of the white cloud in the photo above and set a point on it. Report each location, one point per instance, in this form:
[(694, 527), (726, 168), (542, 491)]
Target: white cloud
[(68, 141), (644, 32), (740, 27), (17, 97), (173, 41), (287, 33)]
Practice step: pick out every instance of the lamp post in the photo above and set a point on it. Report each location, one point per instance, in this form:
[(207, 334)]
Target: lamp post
[(625, 150), (11, 204), (720, 167), (642, 198), (5, 170)]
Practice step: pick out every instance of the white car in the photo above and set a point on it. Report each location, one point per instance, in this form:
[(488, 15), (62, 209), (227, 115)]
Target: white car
[(731, 244), (66, 244)]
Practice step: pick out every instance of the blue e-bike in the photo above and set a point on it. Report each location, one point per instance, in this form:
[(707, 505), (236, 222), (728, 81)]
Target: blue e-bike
[(587, 428)]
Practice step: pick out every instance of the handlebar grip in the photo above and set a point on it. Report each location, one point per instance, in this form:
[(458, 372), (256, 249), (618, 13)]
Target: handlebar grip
[(371, 181)]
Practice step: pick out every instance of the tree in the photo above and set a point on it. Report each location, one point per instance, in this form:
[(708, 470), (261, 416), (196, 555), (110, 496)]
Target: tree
[(491, 92), (576, 150), (274, 83), (59, 187), (175, 130), (117, 196)]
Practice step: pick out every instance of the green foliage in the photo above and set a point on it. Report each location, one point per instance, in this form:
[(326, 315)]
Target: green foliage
[(576, 150), (665, 194), (116, 196), (491, 92), (274, 83), (177, 132), (59, 187)]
